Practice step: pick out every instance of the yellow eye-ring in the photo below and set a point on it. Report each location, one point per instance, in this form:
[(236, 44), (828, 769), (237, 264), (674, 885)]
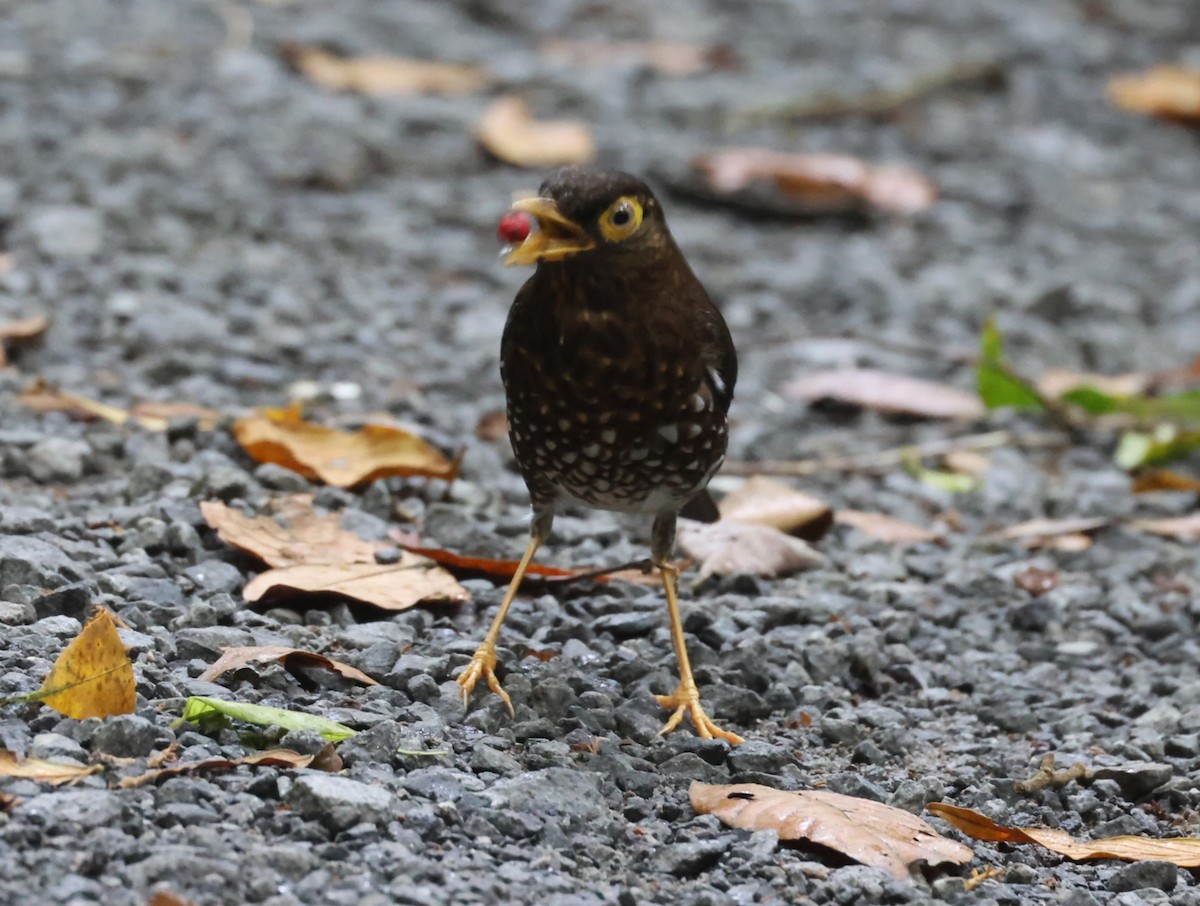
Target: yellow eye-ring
[(621, 219)]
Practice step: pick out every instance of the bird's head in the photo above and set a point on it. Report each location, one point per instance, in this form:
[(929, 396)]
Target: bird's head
[(594, 213)]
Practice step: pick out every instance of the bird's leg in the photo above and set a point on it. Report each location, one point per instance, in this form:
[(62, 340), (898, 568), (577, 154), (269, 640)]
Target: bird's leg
[(483, 663), (686, 697)]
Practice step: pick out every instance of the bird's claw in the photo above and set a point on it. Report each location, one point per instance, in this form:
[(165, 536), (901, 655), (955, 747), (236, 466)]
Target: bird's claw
[(686, 700), (483, 664)]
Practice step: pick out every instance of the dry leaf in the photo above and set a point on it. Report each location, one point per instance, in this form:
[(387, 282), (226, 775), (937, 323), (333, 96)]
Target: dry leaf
[(394, 587), (285, 758), (766, 501), (1154, 480), (233, 658), (42, 396), (881, 391), (93, 676), (492, 426), (20, 331), (1055, 534), (671, 58), (967, 462), (726, 548), (499, 569), (304, 536), (1170, 92), (1036, 581), (1183, 851), (380, 75), (885, 528), (509, 131), (1057, 381), (869, 832), (167, 898), (1185, 528), (815, 183), (343, 459), (51, 772), (164, 412)]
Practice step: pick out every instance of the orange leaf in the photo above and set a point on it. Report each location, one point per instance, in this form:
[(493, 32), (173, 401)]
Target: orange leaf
[(303, 535), (766, 501), (235, 657), (509, 131), (1169, 92), (501, 569), (51, 772), (393, 587), (885, 528), (1183, 851), (93, 676), (383, 75), (285, 758), (815, 183), (340, 458), (866, 831), (882, 391), (1164, 480)]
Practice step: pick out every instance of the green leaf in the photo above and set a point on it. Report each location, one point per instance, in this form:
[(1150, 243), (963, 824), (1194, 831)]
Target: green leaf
[(1166, 445), (198, 708), (998, 389), (1092, 401), (1183, 408), (991, 344), (954, 482)]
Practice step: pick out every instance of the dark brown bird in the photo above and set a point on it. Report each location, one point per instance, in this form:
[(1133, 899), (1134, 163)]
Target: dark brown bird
[(618, 371)]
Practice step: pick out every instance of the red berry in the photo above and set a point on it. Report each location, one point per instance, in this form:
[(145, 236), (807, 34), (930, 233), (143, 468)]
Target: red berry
[(514, 227)]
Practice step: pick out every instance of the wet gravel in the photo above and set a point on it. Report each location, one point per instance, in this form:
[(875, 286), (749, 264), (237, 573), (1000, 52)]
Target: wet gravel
[(205, 226)]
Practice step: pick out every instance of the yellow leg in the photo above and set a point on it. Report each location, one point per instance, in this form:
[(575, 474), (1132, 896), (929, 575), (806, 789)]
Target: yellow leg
[(686, 697), (484, 662)]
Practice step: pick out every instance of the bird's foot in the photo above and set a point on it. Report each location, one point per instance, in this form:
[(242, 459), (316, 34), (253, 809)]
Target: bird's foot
[(686, 700), (483, 664)]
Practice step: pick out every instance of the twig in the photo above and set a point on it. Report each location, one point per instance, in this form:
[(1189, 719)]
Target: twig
[(979, 875), (886, 459), (1046, 776)]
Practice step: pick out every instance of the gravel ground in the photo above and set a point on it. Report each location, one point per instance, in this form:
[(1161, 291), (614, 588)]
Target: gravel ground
[(206, 226)]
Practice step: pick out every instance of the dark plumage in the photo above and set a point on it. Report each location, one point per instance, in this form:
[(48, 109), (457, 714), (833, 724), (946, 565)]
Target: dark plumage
[(618, 371)]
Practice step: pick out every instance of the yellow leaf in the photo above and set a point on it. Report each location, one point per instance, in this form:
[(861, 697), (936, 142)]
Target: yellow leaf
[(51, 772), (509, 131), (339, 458), (1183, 851), (93, 676), (380, 75)]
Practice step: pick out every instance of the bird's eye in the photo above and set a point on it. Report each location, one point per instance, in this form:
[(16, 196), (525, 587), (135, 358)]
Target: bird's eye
[(621, 219)]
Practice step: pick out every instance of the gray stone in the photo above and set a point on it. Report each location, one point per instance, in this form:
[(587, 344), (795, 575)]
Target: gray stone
[(67, 231), (339, 802), (55, 747), (440, 784), (31, 561), (485, 758), (571, 797), (1139, 875), (686, 860), (215, 576), (126, 736), (58, 460), (1136, 780), (73, 811)]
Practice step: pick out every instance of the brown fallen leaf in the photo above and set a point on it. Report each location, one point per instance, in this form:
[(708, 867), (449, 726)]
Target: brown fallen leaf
[(343, 459), (1186, 528), (52, 772), (1057, 381), (492, 426), (499, 569), (379, 75), (167, 898), (1072, 534), (414, 580), (298, 534), (93, 676), (20, 331), (235, 657), (509, 132), (42, 396), (1154, 480), (1036, 581), (284, 758), (671, 58), (1183, 851), (163, 411), (866, 831), (1169, 92), (815, 183), (881, 391), (885, 528), (766, 501), (726, 548)]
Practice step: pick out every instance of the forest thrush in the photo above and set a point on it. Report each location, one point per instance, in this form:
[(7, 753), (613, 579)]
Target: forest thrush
[(618, 371)]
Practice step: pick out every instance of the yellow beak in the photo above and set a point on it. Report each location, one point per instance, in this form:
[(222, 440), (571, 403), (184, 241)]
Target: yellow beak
[(555, 239)]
